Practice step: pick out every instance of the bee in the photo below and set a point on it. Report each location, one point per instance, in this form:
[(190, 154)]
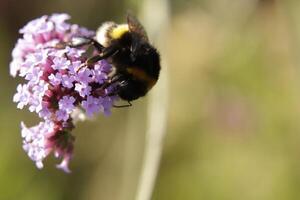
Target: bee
[(135, 61)]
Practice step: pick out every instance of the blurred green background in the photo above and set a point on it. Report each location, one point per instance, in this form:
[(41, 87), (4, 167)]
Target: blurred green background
[(233, 126)]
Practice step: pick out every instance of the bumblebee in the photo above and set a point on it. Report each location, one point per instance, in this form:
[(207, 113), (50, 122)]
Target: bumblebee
[(136, 62)]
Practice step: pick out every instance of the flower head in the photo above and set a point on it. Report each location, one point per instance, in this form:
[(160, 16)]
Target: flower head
[(56, 85)]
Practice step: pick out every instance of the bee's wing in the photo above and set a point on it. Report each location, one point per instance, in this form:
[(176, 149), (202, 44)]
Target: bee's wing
[(136, 27)]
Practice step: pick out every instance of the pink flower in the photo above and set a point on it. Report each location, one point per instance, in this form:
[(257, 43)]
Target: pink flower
[(91, 105), (83, 89), (56, 85)]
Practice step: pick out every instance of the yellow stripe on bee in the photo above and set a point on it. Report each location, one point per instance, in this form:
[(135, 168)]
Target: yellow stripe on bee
[(142, 75), (117, 32)]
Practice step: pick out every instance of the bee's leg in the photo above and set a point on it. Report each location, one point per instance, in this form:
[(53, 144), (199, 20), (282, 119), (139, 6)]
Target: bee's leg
[(97, 45), (115, 92), (100, 91), (106, 52), (92, 60), (78, 42), (118, 106), (123, 82)]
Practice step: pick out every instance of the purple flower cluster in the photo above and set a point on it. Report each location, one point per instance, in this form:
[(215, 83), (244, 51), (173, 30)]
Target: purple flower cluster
[(56, 85)]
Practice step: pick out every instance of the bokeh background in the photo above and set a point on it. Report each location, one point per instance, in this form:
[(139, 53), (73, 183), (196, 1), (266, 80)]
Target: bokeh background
[(233, 120)]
